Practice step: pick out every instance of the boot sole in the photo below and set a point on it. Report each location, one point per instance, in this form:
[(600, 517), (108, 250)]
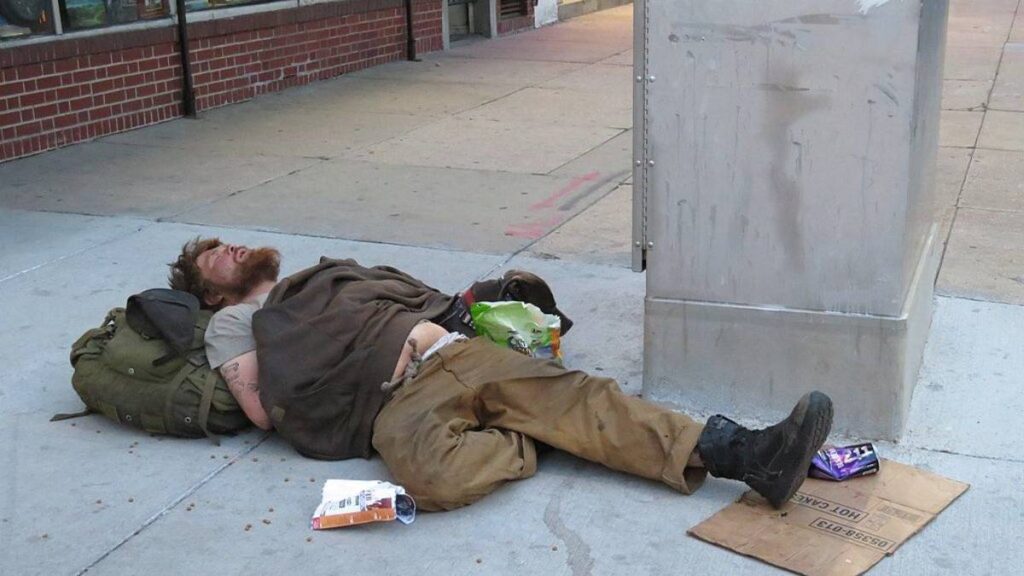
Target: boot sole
[(815, 424)]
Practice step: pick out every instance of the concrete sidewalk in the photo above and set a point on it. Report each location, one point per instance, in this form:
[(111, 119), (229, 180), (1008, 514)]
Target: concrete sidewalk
[(507, 153)]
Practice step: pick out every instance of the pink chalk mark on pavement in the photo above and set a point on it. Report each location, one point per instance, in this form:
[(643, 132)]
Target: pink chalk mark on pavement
[(535, 230), (569, 188)]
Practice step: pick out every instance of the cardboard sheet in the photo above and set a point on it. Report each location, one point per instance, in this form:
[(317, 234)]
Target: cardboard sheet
[(834, 528)]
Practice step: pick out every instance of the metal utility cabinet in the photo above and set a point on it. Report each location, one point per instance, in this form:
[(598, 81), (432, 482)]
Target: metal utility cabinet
[(785, 205)]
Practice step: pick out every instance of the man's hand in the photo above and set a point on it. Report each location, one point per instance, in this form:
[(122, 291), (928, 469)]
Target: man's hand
[(242, 376), (424, 334)]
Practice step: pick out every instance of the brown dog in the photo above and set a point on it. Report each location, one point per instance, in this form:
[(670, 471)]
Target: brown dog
[(521, 286), (516, 285)]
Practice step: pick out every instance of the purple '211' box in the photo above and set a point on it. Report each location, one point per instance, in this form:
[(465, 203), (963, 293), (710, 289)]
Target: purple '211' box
[(844, 462)]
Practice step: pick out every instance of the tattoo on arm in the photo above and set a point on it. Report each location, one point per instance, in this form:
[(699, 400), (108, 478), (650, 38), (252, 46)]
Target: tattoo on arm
[(235, 381)]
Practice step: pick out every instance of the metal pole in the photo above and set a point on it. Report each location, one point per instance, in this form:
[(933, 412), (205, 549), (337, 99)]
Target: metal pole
[(410, 37), (188, 95)]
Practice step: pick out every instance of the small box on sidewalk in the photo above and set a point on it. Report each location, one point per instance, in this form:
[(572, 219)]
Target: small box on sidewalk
[(834, 528), (350, 502), (841, 463)]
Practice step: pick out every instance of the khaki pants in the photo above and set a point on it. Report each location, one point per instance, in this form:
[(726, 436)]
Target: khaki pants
[(466, 425)]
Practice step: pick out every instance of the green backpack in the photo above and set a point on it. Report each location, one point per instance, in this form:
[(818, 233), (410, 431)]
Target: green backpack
[(132, 379)]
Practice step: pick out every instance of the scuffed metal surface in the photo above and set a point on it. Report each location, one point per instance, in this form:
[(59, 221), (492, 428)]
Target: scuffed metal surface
[(785, 138)]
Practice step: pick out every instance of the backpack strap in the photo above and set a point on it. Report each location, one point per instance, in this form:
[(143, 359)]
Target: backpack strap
[(165, 359), (205, 401), (70, 415), (204, 406)]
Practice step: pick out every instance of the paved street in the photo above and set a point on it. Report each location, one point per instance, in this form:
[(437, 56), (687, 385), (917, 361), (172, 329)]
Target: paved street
[(514, 152)]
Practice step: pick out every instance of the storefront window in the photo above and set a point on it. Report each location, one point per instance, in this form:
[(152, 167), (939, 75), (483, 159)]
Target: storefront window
[(195, 5), (85, 14), (22, 18)]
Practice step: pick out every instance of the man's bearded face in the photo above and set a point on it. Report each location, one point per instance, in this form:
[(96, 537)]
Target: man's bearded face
[(233, 271)]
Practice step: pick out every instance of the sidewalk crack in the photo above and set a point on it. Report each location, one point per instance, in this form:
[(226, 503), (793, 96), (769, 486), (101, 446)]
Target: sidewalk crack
[(973, 149), (206, 204), (961, 454), (178, 500), (74, 253)]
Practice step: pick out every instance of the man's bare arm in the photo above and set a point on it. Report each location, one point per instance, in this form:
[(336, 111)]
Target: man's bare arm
[(242, 375)]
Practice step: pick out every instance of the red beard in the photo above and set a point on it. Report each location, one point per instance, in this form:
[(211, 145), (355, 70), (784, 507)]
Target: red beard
[(262, 265)]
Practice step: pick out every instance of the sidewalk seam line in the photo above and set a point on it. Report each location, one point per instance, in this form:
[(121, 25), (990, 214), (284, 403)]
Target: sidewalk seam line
[(534, 242), (365, 148), (278, 232), (973, 149), (163, 512), (961, 454), (990, 149), (595, 147), (185, 148), (78, 252), (491, 101), (481, 171), (985, 209), (950, 296), (208, 203)]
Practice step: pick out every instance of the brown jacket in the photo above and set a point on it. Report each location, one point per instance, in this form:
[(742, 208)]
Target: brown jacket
[(326, 339)]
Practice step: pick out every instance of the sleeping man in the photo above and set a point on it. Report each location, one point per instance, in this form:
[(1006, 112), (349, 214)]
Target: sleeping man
[(343, 360)]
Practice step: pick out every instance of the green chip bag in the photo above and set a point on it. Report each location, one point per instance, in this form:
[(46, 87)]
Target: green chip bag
[(519, 326)]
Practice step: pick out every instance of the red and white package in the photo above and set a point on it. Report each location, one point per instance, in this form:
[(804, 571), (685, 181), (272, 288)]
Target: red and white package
[(350, 502)]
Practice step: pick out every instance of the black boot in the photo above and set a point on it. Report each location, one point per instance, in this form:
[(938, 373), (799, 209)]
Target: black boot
[(773, 461)]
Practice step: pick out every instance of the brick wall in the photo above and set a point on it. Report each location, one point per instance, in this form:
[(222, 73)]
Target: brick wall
[(58, 98), (70, 90), (426, 24)]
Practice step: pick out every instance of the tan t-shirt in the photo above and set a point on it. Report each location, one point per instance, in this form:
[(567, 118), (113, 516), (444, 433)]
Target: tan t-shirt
[(229, 334)]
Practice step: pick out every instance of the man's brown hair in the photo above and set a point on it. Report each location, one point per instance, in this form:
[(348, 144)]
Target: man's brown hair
[(185, 274)]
